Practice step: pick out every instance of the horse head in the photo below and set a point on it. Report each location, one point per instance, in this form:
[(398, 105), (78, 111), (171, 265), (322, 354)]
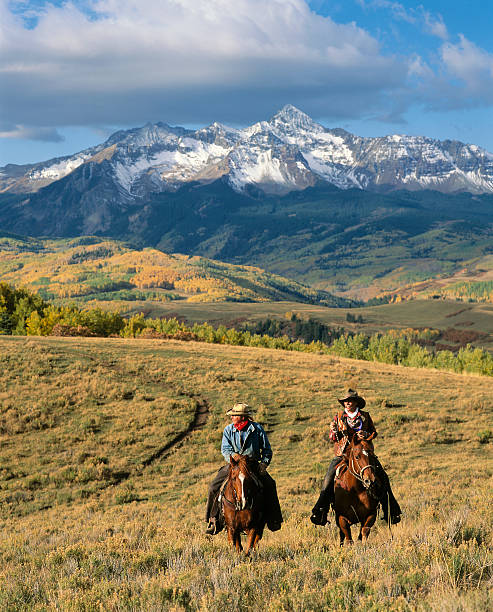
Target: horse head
[(361, 461), (243, 482)]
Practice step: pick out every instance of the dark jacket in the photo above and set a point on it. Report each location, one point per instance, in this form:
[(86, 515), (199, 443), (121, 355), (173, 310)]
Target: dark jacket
[(344, 432)]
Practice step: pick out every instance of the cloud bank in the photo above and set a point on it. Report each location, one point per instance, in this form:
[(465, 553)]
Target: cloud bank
[(193, 61), (189, 60)]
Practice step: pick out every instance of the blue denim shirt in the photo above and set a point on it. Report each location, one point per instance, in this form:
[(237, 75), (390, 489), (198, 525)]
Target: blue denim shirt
[(252, 441)]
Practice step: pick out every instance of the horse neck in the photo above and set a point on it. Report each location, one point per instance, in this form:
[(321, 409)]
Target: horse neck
[(237, 471), (235, 482)]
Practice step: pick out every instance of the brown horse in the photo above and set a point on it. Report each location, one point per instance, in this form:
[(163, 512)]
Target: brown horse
[(355, 489), (242, 504)]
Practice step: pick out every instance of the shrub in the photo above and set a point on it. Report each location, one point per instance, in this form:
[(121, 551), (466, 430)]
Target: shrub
[(485, 436)]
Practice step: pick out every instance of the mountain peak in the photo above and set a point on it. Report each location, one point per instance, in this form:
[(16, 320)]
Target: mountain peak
[(293, 117)]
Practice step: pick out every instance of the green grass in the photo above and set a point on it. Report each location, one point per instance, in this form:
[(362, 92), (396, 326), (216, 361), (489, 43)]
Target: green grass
[(137, 543)]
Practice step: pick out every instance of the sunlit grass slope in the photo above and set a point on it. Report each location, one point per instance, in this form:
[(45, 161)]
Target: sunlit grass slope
[(95, 517), (474, 322)]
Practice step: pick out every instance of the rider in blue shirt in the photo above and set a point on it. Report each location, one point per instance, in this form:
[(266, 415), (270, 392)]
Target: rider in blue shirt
[(244, 437)]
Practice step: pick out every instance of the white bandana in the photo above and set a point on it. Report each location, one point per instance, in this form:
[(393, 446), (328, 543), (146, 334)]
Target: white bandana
[(351, 415)]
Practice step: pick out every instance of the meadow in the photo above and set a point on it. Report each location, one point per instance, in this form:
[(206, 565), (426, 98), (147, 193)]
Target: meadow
[(107, 447), (473, 321)]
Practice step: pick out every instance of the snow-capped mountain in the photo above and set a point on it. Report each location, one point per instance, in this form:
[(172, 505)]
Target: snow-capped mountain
[(288, 152)]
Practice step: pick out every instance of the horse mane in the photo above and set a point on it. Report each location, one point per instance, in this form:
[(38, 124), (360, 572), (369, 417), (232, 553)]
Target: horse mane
[(365, 444), (246, 463)]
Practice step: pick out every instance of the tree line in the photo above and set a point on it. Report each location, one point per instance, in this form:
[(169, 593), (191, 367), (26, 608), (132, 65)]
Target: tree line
[(24, 313)]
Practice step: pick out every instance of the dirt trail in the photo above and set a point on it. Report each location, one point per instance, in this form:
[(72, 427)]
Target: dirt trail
[(200, 419)]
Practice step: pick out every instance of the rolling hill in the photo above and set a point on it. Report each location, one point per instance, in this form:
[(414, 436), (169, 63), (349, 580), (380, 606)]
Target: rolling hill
[(93, 270)]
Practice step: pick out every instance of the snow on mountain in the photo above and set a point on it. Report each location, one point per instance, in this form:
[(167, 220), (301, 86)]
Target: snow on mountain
[(289, 151)]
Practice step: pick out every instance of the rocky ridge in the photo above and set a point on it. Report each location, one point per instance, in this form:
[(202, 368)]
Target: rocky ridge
[(288, 152)]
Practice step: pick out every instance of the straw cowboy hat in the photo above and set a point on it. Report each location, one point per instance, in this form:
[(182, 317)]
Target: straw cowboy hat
[(240, 409), (351, 394)]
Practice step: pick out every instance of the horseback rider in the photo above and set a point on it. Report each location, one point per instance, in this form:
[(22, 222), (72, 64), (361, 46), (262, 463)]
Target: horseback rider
[(244, 437), (353, 421)]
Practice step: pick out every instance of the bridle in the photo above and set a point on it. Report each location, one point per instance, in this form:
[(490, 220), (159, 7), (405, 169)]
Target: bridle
[(358, 472), (238, 504)]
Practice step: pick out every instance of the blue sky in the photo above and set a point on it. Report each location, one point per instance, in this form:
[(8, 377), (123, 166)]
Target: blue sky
[(73, 72)]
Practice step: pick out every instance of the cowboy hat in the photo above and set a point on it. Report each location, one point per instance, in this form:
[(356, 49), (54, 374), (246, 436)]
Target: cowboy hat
[(240, 409), (352, 395)]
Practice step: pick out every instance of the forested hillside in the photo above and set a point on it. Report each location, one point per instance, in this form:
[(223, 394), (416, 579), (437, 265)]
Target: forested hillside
[(92, 270)]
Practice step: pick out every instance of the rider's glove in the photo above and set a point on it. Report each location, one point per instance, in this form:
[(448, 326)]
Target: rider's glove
[(235, 456), (262, 468)]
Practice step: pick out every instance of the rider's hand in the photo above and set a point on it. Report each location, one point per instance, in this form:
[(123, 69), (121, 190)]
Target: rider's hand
[(333, 427), (361, 435), (262, 468), (235, 456)]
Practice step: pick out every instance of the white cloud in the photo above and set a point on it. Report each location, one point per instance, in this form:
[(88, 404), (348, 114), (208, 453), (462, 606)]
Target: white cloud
[(471, 65), (165, 57), (397, 10), (435, 25), (125, 62)]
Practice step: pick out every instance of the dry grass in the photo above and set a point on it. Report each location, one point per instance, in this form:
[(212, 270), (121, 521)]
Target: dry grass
[(77, 537)]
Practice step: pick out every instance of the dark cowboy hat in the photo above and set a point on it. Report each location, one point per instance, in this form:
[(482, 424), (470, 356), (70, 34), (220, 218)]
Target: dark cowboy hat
[(352, 395), (240, 409)]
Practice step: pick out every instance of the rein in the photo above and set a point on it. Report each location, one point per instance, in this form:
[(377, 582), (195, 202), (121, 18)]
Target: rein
[(359, 475), (236, 503)]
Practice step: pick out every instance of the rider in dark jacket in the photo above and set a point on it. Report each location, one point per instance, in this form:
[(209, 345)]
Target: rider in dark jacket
[(353, 421), (244, 437)]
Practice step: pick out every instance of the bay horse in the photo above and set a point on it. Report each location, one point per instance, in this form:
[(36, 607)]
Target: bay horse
[(242, 504), (356, 491)]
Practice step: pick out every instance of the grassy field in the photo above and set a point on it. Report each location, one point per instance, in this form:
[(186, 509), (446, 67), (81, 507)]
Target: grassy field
[(107, 448), (436, 314)]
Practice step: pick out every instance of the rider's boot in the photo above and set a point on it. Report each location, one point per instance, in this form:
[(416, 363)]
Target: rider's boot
[(211, 526), (273, 525), (395, 510), (319, 516), (389, 502), (321, 508)]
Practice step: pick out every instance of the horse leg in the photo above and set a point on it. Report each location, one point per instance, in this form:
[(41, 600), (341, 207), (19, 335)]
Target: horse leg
[(251, 540), (366, 527), (231, 536), (237, 538), (345, 531), (341, 533)]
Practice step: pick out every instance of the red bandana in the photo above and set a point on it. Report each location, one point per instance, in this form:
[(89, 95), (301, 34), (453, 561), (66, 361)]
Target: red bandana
[(241, 425)]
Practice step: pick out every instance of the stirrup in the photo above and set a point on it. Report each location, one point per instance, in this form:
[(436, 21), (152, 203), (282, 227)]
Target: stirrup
[(211, 527)]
